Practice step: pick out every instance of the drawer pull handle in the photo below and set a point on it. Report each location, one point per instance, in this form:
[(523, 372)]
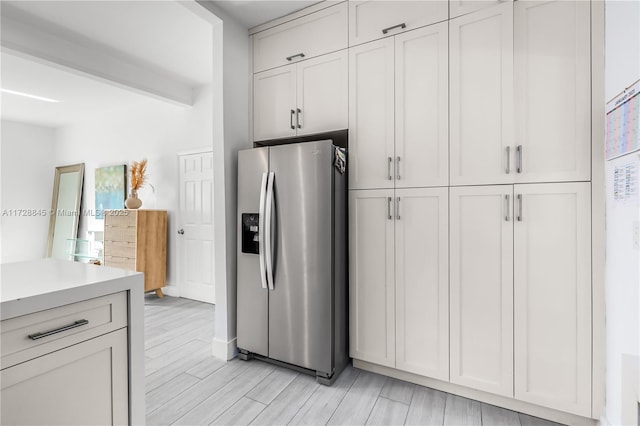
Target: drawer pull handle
[(402, 26), (301, 55), (78, 323)]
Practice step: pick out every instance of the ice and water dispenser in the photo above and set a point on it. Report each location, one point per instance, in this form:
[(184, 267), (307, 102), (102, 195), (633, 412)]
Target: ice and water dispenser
[(250, 230)]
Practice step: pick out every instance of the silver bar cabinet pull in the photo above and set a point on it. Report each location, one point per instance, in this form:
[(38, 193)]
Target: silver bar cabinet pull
[(519, 207), (389, 208), (519, 158), (402, 26), (508, 149), (291, 120), (506, 206), (299, 118), (389, 162), (398, 168), (300, 55), (398, 209), (79, 323)]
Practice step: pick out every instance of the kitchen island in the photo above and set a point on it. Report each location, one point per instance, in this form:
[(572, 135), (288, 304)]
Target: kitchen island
[(72, 344)]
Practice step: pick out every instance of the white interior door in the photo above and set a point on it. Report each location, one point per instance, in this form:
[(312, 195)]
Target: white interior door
[(195, 227)]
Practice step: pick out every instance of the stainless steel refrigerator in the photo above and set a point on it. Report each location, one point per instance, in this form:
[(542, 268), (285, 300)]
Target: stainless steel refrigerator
[(292, 257)]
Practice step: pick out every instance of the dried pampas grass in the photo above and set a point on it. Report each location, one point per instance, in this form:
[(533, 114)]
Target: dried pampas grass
[(138, 174)]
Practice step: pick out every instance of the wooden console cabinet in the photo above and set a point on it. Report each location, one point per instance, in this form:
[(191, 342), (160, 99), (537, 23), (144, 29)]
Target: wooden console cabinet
[(136, 240)]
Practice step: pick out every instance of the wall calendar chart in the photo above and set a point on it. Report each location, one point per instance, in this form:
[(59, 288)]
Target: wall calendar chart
[(622, 123)]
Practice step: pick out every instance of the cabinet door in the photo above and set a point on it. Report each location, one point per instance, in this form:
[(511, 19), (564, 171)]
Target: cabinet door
[(553, 90), (323, 94), (84, 384), (462, 7), (481, 226), (374, 19), (371, 277), (371, 115), (274, 103), (481, 88), (422, 281), (312, 35), (421, 114), (553, 296)]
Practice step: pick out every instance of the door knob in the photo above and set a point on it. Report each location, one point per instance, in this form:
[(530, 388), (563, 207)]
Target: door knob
[(181, 231)]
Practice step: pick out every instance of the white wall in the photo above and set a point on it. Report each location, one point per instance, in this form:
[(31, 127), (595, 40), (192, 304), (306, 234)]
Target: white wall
[(27, 172), (622, 68), (230, 134), (156, 131)]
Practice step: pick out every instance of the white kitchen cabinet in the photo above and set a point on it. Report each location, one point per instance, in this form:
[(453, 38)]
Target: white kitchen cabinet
[(312, 35), (531, 57), (552, 257), (304, 98), (371, 115), (322, 94), (373, 19), (371, 277), (422, 281), (398, 121), (421, 107), (481, 262), (274, 102), (481, 96), (552, 90), (82, 384), (462, 7)]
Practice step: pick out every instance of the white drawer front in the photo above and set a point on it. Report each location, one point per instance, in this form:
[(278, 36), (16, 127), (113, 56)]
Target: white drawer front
[(318, 33), (36, 334)]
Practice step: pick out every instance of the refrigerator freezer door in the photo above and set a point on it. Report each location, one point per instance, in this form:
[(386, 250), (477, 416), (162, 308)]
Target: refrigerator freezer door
[(300, 317), (253, 313)]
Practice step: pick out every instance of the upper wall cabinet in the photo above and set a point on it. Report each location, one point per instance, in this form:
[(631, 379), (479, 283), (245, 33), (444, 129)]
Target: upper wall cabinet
[(462, 7), (303, 38), (481, 100), (526, 63), (300, 99), (374, 19), (552, 91), (398, 124)]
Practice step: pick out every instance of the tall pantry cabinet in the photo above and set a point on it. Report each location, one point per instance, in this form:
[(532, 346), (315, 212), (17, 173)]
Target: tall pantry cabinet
[(474, 186)]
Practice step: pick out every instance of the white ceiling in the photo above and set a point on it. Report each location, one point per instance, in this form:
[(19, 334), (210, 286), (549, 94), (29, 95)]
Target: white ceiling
[(80, 97), (159, 35), (254, 12)]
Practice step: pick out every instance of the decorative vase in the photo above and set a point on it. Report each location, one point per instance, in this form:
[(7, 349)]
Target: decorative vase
[(133, 202)]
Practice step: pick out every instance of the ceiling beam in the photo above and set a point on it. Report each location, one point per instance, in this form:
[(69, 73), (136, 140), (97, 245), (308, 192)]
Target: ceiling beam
[(81, 58)]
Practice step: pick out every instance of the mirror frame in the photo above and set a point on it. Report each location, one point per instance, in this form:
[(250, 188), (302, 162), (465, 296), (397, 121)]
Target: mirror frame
[(54, 201)]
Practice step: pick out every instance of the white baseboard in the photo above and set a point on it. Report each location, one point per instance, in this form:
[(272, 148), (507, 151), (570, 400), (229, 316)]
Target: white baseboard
[(500, 401), (171, 290), (225, 350)]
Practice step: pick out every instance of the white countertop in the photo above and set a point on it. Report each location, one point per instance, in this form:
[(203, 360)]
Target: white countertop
[(27, 287)]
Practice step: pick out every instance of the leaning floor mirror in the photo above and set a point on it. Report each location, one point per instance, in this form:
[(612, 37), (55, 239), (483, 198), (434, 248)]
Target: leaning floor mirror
[(65, 209)]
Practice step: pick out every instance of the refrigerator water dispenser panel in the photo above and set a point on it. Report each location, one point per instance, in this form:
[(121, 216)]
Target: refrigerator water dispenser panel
[(250, 230)]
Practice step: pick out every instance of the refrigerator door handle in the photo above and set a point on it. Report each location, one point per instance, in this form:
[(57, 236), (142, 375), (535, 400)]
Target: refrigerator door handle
[(261, 229), (268, 258)]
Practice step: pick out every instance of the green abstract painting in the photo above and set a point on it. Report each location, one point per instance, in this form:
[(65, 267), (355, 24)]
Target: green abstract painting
[(111, 189)]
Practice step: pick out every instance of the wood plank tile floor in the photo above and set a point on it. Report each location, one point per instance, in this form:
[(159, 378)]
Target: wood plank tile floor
[(185, 385)]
